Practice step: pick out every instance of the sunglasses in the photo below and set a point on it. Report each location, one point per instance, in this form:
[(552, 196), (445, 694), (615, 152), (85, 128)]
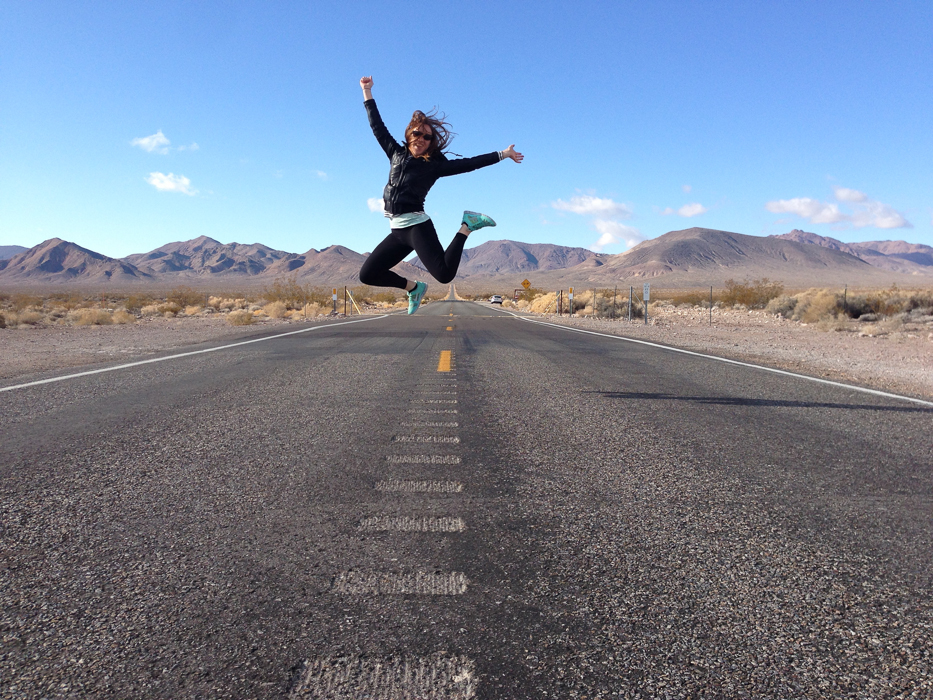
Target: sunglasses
[(420, 134)]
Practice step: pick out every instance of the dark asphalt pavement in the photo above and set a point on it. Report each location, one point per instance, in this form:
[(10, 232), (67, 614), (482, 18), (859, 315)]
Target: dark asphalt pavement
[(560, 515)]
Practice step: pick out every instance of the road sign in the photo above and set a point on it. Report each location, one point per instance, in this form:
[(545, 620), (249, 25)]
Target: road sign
[(526, 284), (647, 292), (571, 290)]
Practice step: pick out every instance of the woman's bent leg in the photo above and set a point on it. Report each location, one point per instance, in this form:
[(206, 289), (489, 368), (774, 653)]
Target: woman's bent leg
[(376, 270), (442, 264)]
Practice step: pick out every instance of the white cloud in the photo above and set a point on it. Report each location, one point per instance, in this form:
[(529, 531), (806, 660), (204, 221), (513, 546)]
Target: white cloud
[(818, 212), (844, 194), (687, 188), (613, 232), (868, 212), (157, 143), (605, 213), (687, 210), (879, 215), (375, 204), (171, 183), (693, 209), (321, 174), (593, 206)]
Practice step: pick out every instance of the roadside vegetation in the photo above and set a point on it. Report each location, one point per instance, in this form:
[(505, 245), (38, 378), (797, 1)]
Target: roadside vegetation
[(869, 312), (283, 300), (872, 312)]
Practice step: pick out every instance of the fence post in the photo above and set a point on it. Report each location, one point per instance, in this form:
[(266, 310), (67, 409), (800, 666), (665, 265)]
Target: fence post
[(711, 305), (631, 291), (344, 301), (845, 304)]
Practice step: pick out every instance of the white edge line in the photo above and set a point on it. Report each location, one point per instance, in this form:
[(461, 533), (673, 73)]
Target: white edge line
[(183, 354), (864, 390)]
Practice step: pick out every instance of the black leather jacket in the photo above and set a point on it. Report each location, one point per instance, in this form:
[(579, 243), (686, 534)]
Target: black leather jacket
[(410, 178)]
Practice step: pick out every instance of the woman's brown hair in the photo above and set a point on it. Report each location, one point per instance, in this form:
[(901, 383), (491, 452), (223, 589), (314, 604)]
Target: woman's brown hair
[(442, 134)]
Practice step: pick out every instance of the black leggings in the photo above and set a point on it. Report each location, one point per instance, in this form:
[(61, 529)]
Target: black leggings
[(422, 238)]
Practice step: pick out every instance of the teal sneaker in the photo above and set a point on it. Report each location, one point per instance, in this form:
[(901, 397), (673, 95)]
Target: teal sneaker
[(475, 220), (415, 296)]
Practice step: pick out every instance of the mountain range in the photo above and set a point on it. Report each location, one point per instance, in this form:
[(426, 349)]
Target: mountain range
[(688, 258)]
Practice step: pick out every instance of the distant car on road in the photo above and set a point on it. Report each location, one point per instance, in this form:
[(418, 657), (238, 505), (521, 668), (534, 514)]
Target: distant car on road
[(495, 299)]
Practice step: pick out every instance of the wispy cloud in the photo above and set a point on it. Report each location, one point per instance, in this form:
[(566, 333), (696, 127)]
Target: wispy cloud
[(867, 212), (879, 215), (844, 194), (157, 143), (687, 210), (593, 206), (375, 204), (321, 175), (816, 211), (171, 183), (687, 188), (605, 215), (613, 232)]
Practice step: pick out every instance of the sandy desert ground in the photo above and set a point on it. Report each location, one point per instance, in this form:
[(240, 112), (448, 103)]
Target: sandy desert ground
[(893, 357)]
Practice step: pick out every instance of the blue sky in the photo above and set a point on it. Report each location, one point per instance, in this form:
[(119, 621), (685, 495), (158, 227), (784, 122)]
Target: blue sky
[(125, 126)]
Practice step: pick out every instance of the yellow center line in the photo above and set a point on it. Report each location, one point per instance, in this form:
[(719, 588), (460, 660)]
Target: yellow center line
[(450, 328), (443, 364)]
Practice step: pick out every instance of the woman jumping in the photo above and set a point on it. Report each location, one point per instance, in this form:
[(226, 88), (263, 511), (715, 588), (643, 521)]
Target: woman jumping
[(414, 170)]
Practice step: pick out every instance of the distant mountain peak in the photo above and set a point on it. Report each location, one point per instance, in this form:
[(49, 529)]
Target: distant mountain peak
[(503, 257)]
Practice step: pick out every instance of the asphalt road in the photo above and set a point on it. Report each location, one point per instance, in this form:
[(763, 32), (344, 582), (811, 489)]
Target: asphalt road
[(559, 515)]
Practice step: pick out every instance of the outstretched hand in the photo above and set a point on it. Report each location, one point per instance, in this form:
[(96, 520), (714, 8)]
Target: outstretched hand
[(510, 152), (366, 83)]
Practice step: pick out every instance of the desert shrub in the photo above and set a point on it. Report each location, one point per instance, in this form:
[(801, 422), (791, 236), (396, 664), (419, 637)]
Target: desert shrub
[(293, 294), (123, 317), (185, 296), (276, 309), (782, 306), (2, 321), (226, 303), (858, 306), (816, 304), (66, 300), (135, 302), (315, 309), (753, 294), (545, 303), (888, 302), (90, 317), (193, 310), (685, 298), (150, 310), (169, 309), (240, 317), (25, 301), (25, 318), (364, 294)]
